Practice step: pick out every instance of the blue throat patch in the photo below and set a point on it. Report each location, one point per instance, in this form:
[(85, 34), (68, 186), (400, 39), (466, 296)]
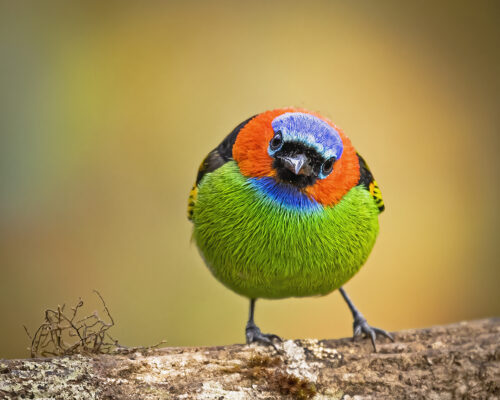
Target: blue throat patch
[(311, 131), (284, 195)]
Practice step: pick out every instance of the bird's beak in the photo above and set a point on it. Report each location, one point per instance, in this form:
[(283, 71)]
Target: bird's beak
[(294, 163)]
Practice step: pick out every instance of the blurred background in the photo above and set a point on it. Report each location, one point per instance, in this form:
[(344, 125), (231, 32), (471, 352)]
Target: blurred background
[(107, 109)]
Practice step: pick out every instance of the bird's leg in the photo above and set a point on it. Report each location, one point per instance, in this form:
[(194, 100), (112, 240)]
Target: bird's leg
[(360, 325), (253, 333)]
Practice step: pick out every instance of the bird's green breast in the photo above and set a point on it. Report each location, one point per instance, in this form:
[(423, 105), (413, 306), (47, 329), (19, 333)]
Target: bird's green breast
[(259, 246)]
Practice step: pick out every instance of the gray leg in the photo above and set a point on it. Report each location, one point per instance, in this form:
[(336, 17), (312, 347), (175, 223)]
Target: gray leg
[(253, 333), (360, 325)]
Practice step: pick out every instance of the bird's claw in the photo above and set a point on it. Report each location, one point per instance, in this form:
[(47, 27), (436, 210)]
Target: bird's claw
[(360, 327), (253, 335)]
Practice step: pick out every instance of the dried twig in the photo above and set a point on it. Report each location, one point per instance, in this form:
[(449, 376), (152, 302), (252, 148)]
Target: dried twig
[(56, 335)]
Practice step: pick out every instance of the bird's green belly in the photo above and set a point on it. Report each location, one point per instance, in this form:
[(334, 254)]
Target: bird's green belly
[(261, 248)]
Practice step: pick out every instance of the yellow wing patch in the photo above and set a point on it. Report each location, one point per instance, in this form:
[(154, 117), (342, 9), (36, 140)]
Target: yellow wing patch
[(192, 201), (376, 194)]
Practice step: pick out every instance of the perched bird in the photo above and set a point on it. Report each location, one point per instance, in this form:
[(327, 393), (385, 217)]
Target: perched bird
[(286, 207)]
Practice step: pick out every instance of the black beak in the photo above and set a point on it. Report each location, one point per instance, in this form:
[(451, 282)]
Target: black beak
[(294, 163)]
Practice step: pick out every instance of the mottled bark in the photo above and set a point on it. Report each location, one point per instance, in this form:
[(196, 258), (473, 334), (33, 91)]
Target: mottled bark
[(444, 362)]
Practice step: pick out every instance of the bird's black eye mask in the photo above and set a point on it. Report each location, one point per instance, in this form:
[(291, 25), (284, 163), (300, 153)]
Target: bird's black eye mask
[(313, 168)]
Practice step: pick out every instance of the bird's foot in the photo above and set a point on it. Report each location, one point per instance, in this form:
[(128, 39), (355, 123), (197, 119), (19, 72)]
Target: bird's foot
[(361, 327), (253, 334)]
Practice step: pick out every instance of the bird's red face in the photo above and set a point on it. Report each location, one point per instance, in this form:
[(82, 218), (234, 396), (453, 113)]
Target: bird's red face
[(325, 173)]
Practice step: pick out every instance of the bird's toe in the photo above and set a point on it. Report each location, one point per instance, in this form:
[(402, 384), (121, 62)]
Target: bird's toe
[(254, 335), (361, 327)]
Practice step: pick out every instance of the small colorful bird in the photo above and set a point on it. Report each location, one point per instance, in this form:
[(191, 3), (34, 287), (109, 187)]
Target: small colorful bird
[(286, 207)]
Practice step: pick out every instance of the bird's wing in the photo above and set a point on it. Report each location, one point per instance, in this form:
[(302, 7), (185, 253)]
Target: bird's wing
[(366, 178), (215, 159)]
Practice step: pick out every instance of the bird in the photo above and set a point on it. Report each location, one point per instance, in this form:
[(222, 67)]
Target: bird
[(286, 207)]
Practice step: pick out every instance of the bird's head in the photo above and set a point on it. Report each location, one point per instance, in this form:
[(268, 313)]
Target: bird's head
[(304, 148), (300, 149)]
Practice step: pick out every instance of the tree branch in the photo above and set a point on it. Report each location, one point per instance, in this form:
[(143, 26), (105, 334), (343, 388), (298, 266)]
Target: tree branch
[(443, 362)]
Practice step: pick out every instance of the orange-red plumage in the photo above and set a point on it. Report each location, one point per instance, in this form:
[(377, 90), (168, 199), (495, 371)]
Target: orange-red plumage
[(250, 152)]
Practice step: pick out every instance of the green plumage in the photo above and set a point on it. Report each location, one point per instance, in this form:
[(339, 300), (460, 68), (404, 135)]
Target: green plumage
[(261, 249)]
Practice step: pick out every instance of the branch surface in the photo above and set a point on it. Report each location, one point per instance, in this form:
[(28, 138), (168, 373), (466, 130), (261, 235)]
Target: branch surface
[(443, 362)]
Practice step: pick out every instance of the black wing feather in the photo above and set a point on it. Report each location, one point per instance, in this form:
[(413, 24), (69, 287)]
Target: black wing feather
[(215, 159), (221, 154), (366, 178)]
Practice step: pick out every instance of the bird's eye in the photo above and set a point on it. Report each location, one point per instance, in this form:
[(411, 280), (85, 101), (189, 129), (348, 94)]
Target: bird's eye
[(276, 141), (327, 166)]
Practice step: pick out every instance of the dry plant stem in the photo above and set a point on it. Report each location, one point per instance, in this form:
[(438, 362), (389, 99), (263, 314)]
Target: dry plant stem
[(64, 333), (444, 362)]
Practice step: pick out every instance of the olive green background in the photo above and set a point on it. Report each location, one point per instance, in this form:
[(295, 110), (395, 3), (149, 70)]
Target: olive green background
[(107, 109)]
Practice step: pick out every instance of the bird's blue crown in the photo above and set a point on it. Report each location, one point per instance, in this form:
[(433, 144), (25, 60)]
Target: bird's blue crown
[(311, 131)]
